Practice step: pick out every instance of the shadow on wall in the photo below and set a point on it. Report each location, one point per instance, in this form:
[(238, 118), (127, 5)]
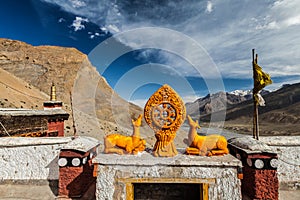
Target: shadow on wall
[(84, 185), (53, 175)]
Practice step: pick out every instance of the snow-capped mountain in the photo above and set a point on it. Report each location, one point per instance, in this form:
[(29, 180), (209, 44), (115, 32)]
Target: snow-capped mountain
[(219, 101), (241, 92)]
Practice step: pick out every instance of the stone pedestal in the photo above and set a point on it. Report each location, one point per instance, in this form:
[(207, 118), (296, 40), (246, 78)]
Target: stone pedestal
[(260, 184), (260, 179), (134, 176), (75, 167)]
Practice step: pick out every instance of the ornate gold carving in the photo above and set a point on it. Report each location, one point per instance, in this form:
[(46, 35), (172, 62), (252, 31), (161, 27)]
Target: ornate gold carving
[(164, 112), (204, 145), (33, 134), (120, 144)]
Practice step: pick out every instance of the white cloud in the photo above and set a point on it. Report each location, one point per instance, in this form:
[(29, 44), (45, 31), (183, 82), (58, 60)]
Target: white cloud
[(60, 20), (209, 7), (186, 99), (228, 33), (78, 23), (113, 28), (295, 20), (280, 15), (94, 10), (139, 102), (276, 86), (192, 98), (104, 29), (93, 35), (268, 25), (188, 96), (77, 3)]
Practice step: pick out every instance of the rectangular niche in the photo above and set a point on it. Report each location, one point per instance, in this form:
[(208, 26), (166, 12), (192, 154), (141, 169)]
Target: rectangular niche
[(167, 191)]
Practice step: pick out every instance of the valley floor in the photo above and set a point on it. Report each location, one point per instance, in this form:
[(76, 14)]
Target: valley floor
[(266, 129)]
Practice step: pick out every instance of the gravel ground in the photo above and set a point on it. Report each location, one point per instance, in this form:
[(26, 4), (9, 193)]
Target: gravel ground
[(289, 194)]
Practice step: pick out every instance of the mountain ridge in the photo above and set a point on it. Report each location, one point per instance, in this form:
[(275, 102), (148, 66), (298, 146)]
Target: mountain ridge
[(36, 67), (40, 66), (282, 111)]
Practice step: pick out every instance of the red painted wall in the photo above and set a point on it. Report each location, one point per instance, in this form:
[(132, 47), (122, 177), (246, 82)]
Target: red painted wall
[(75, 181), (56, 126), (257, 183), (260, 184)]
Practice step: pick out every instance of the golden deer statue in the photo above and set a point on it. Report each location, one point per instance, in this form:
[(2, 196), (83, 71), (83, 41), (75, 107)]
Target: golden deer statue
[(121, 144), (204, 145)]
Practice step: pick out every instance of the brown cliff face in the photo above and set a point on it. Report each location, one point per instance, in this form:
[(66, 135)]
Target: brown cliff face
[(42, 65), (17, 93), (97, 109)]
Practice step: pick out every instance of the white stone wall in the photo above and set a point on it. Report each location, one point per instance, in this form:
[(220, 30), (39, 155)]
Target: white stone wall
[(289, 164), (30, 158), (227, 185), (288, 150), (112, 168)]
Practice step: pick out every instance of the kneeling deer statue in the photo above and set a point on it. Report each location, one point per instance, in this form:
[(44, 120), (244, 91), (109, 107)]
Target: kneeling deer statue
[(204, 145), (121, 144)]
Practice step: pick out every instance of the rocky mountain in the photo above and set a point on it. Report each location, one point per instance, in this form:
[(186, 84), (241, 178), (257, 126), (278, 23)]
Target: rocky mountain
[(219, 101), (27, 73), (17, 93), (214, 102), (280, 116)]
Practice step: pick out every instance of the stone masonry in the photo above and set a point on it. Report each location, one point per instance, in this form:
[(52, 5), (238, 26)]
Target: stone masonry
[(118, 174)]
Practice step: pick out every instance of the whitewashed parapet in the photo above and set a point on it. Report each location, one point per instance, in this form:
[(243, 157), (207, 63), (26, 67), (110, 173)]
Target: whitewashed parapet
[(30, 158), (35, 158), (287, 148)]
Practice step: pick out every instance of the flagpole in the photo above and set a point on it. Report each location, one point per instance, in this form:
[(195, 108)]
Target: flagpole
[(256, 112), (254, 104), (261, 79)]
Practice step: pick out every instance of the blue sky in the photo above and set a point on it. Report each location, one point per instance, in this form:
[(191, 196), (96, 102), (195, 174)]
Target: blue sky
[(194, 44)]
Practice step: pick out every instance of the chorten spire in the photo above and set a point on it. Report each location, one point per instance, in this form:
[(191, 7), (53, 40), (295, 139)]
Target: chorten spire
[(53, 103), (53, 92)]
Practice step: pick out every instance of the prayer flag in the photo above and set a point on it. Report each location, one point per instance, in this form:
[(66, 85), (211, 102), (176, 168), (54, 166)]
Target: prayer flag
[(261, 79)]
